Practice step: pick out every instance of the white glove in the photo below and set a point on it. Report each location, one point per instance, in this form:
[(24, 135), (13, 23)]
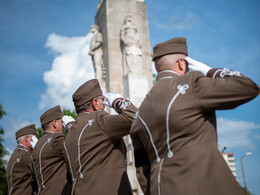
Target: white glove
[(34, 141), (195, 65), (110, 98), (66, 119)]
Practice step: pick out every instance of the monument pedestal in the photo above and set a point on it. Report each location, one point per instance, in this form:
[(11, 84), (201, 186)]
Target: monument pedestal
[(135, 88)]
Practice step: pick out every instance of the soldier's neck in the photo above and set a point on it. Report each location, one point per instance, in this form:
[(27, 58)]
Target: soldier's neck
[(23, 146)]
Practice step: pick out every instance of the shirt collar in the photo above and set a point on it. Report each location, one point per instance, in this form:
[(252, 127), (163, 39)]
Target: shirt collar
[(47, 132), (23, 147), (166, 74)]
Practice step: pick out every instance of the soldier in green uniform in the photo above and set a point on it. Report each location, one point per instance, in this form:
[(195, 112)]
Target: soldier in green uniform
[(174, 134), (95, 149), (19, 169)]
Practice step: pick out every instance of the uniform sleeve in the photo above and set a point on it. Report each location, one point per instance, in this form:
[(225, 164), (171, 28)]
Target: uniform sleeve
[(57, 142), (34, 179), (117, 126), (223, 89), (27, 163), (68, 127), (26, 158), (142, 162)]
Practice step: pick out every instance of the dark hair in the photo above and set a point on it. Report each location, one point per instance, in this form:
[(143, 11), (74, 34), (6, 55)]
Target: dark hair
[(46, 126), (84, 107)]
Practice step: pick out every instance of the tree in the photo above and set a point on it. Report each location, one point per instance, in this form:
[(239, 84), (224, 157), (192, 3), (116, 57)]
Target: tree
[(248, 192), (39, 132), (68, 112), (3, 152), (154, 78)]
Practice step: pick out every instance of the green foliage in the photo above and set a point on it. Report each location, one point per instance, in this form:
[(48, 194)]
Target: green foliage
[(68, 112), (3, 152), (248, 193), (154, 78), (2, 112), (39, 132)]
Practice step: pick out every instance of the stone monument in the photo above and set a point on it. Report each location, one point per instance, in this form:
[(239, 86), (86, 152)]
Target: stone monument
[(127, 56), (96, 52), (126, 47), (131, 48)]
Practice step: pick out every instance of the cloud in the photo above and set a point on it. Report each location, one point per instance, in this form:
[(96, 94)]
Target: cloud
[(179, 23), (71, 67), (235, 134)]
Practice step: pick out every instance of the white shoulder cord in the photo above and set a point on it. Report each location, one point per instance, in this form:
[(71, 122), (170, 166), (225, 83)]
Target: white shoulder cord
[(151, 138), (40, 161), (69, 162), (181, 89), (90, 122), (159, 177), (11, 173)]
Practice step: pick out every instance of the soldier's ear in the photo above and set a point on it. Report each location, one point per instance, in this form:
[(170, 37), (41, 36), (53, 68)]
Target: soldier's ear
[(26, 139), (95, 104), (181, 65), (54, 123)]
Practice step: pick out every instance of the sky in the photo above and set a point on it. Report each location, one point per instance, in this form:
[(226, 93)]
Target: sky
[(44, 58)]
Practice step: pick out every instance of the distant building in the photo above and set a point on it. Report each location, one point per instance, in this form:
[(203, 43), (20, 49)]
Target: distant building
[(230, 160)]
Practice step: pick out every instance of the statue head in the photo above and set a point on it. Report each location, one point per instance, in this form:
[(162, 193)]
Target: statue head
[(94, 28), (128, 19)]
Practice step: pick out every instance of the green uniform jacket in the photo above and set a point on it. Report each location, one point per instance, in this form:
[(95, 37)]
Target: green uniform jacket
[(175, 136), (96, 151), (19, 172)]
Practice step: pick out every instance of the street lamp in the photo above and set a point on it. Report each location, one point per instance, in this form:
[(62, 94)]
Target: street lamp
[(244, 179), (224, 149)]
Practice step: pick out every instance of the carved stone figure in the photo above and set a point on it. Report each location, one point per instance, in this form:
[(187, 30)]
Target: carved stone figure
[(99, 4), (96, 51), (131, 47)]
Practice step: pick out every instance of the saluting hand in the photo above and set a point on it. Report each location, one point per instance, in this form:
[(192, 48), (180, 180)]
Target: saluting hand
[(34, 141), (195, 65), (110, 98), (66, 119)]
